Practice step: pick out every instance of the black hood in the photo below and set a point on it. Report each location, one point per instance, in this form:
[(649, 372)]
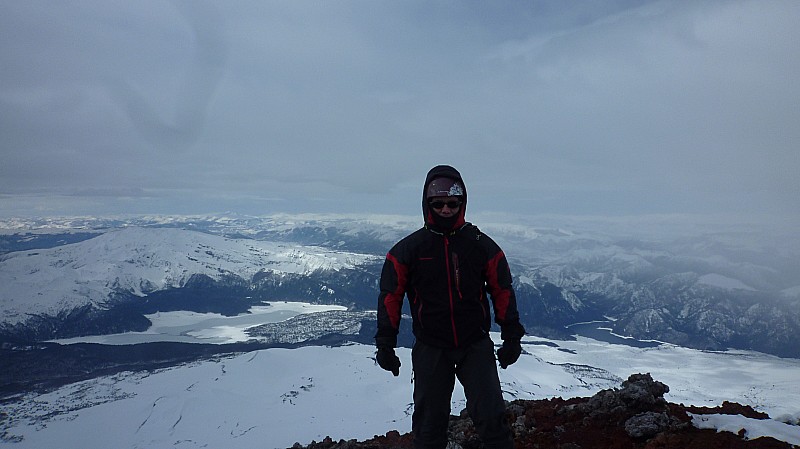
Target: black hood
[(433, 220)]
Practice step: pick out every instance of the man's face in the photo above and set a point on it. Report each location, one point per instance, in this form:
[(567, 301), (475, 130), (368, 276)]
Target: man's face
[(445, 206)]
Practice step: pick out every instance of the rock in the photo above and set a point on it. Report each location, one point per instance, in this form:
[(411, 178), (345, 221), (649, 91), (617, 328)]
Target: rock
[(647, 424), (634, 416)]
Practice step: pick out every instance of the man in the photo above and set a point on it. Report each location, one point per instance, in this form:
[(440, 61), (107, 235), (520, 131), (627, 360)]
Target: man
[(446, 269)]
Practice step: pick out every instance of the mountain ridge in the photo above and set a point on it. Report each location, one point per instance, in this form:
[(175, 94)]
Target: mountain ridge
[(651, 289)]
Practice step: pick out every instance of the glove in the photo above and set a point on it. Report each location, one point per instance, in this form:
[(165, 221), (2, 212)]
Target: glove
[(509, 353), (388, 360)]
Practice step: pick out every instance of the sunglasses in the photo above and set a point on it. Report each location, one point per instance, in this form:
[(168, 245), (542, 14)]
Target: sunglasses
[(452, 204)]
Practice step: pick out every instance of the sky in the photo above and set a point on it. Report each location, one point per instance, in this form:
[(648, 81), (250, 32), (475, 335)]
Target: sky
[(617, 108)]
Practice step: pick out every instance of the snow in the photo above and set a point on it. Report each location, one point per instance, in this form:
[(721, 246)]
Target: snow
[(273, 398), (754, 428), (702, 378), (264, 399), (141, 260)]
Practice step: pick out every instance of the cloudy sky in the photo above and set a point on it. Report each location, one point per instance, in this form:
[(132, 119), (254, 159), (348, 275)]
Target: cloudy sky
[(546, 107)]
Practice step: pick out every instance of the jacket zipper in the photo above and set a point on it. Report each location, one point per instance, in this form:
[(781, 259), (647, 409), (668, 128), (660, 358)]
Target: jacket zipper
[(457, 274), (450, 289)]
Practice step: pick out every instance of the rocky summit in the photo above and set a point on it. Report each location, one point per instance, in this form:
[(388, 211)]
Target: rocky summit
[(635, 416)]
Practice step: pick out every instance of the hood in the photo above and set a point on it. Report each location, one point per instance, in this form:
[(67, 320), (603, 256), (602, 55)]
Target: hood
[(433, 220)]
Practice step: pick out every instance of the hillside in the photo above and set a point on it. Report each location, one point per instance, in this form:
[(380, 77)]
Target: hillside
[(635, 416), (306, 381)]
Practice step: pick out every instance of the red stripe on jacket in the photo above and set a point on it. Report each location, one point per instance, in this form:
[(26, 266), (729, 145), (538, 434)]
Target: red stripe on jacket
[(500, 294), (393, 302)]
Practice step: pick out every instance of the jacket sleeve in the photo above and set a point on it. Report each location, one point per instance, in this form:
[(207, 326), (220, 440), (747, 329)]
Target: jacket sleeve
[(390, 300), (504, 301)]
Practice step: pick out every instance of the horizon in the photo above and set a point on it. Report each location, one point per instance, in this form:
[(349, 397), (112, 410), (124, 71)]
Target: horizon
[(758, 230)]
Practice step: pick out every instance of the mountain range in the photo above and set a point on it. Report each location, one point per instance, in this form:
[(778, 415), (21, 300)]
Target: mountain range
[(703, 286)]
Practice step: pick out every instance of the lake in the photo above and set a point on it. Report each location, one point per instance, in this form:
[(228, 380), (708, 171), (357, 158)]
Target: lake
[(193, 327)]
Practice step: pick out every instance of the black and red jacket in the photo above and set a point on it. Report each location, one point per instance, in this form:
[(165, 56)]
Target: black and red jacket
[(448, 275)]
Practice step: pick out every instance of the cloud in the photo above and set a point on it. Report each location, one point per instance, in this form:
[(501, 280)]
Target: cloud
[(621, 107), (194, 91)]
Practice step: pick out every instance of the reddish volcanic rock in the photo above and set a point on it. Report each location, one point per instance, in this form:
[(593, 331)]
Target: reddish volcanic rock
[(634, 417)]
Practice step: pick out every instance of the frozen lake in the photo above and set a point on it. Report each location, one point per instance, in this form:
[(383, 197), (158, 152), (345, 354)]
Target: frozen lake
[(192, 327)]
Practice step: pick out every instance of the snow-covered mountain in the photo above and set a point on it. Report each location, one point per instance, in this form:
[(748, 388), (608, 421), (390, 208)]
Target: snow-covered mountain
[(703, 285), (46, 293), (140, 261), (273, 398)]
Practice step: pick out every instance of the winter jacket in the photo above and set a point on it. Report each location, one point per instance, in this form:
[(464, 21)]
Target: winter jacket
[(446, 269)]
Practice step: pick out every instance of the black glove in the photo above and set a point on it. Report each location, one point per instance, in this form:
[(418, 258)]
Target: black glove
[(509, 353), (388, 360)]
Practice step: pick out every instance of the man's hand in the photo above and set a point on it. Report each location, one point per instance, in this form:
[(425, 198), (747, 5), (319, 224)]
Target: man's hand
[(388, 360), (509, 353)]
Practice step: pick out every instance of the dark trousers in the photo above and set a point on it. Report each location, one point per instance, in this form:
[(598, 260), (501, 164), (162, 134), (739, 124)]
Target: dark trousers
[(435, 371)]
